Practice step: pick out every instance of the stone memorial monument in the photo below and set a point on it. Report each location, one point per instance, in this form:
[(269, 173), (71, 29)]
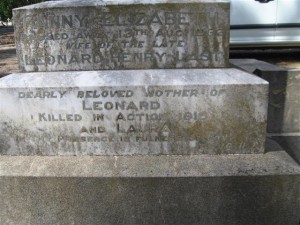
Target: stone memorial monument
[(133, 112), (127, 113)]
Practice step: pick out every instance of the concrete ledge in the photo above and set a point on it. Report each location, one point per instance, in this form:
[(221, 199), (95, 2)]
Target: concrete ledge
[(272, 163), (250, 65), (259, 189)]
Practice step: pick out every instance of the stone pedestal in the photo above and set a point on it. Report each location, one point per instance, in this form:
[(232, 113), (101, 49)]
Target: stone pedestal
[(133, 112)]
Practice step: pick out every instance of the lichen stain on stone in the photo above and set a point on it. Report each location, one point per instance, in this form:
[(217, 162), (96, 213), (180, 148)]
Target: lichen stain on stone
[(4, 145), (201, 130), (234, 131), (26, 142)]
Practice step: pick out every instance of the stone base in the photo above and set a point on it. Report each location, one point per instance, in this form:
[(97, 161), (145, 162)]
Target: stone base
[(203, 189)]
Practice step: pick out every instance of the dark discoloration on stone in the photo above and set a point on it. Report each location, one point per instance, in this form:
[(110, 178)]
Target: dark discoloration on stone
[(284, 100), (138, 36), (284, 94)]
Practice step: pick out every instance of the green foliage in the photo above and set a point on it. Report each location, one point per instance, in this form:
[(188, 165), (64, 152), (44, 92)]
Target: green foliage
[(6, 6)]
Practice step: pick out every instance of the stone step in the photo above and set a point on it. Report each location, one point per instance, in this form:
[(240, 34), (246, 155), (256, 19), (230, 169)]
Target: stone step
[(133, 112), (189, 190), (274, 162)]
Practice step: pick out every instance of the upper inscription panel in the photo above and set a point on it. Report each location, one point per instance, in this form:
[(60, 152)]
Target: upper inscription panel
[(101, 35)]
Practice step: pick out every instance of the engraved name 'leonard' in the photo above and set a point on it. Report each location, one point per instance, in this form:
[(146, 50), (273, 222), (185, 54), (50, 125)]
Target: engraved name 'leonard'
[(122, 105)]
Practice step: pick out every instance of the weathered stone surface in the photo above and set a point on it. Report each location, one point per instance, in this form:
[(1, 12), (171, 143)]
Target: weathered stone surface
[(274, 162), (284, 100), (196, 111), (247, 200), (284, 94), (251, 189), (93, 35)]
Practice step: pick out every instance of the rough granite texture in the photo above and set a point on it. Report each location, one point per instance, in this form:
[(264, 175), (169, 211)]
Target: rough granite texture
[(259, 189), (93, 35), (247, 200), (140, 112), (268, 164)]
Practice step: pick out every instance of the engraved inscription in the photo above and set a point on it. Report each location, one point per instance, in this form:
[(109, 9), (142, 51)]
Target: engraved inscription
[(116, 37), (131, 112), (126, 115)]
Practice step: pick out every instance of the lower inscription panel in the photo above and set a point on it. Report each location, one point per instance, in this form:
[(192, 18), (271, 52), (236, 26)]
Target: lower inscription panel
[(152, 112)]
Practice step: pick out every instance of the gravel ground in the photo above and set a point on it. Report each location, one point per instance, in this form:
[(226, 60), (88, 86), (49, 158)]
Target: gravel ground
[(283, 57)]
